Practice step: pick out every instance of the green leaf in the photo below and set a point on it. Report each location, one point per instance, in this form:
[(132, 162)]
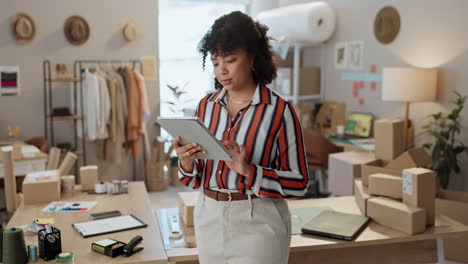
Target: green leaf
[(427, 146), (443, 173), (459, 149), (451, 158), (436, 152)]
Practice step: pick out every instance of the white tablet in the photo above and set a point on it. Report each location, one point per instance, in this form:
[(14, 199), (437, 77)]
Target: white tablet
[(192, 129)]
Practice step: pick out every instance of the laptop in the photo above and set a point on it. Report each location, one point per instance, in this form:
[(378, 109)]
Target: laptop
[(358, 125), (336, 225)]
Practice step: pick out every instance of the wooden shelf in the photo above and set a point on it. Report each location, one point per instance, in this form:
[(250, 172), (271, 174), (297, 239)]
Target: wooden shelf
[(71, 79), (72, 117), (77, 152)]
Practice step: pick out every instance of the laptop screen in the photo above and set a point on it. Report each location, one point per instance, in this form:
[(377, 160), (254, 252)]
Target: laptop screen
[(359, 124)]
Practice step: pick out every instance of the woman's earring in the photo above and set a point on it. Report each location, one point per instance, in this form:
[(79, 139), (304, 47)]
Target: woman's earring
[(252, 67)]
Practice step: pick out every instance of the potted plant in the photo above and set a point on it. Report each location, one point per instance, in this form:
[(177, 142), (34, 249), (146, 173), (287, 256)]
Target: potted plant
[(444, 129)]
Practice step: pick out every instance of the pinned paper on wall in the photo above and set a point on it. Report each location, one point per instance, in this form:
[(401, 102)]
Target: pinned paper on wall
[(341, 57), (360, 80), (9, 81), (355, 50)]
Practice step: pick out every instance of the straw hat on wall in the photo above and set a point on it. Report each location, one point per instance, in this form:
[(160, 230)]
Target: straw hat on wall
[(387, 25), (130, 32), (76, 30), (22, 28)]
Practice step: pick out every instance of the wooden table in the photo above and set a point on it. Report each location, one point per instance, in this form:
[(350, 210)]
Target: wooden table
[(375, 235), (136, 202)]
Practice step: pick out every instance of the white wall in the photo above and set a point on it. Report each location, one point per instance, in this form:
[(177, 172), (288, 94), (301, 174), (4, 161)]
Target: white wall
[(433, 34), (104, 18)]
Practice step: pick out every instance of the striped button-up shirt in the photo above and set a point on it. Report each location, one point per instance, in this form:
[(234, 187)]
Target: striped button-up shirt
[(272, 135)]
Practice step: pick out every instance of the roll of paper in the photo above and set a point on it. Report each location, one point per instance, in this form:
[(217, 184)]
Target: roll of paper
[(54, 158), (14, 247), (67, 163), (9, 178), (68, 183), (300, 23)]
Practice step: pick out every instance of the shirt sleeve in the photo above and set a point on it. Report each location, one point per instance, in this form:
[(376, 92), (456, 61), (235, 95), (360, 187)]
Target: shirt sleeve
[(191, 180), (291, 178)]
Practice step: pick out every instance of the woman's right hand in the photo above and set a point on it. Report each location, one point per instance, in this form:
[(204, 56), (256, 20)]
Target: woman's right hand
[(187, 153)]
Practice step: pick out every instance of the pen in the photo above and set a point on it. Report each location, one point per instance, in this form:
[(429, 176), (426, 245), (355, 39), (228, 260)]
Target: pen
[(73, 209)]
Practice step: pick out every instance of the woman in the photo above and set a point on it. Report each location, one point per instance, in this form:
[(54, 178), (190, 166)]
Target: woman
[(264, 137)]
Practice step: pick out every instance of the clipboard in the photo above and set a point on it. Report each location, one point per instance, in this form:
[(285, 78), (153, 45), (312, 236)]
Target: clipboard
[(192, 129), (108, 225)]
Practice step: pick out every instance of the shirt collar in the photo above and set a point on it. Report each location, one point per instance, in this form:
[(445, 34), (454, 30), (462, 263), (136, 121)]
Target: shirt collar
[(262, 95)]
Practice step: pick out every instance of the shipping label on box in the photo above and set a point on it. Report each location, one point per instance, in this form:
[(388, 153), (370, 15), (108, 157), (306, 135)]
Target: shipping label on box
[(407, 183), (421, 191)]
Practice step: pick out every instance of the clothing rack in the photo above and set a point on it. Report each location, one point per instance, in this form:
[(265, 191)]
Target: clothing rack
[(78, 67)]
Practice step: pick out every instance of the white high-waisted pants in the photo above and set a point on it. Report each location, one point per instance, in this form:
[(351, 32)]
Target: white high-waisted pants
[(253, 231)]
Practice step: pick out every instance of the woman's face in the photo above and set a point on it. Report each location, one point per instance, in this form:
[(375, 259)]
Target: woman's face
[(233, 70)]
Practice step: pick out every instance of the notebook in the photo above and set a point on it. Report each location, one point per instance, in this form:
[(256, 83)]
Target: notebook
[(336, 225)]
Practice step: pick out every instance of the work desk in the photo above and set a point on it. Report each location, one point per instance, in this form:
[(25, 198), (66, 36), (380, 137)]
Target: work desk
[(302, 245), (136, 202)]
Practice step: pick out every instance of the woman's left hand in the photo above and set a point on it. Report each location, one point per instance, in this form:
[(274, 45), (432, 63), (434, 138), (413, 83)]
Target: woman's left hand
[(238, 153)]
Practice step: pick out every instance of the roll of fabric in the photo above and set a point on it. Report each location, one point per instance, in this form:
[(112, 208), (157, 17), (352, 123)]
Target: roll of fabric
[(9, 178), (14, 247), (67, 163), (300, 23), (54, 157)]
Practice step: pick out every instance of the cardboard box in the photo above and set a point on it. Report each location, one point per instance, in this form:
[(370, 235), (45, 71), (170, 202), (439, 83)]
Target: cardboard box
[(377, 166), (309, 81), (189, 236), (361, 195), (419, 189), (329, 116), (41, 187), (412, 158), (187, 201), (88, 177), (287, 62), (397, 215), (385, 185), (389, 138), (343, 167)]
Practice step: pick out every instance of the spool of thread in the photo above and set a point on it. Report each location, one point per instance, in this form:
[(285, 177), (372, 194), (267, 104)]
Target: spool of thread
[(9, 178), (32, 252), (64, 258), (14, 247), (54, 157), (68, 183), (100, 187), (110, 188), (67, 163), (117, 186)]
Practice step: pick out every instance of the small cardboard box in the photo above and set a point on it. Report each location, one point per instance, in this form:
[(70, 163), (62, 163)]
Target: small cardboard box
[(88, 177), (309, 81), (397, 215), (41, 187), (187, 201), (419, 189), (385, 185), (377, 166), (361, 195), (412, 158), (343, 167), (330, 115), (189, 236), (389, 138)]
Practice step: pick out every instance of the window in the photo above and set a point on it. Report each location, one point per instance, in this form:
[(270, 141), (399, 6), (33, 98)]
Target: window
[(182, 24)]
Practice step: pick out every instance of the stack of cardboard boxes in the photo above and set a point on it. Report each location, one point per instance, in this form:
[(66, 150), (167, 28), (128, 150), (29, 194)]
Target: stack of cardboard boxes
[(397, 190), (187, 201)]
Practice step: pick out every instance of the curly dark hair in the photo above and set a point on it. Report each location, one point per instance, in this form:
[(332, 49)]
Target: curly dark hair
[(238, 30)]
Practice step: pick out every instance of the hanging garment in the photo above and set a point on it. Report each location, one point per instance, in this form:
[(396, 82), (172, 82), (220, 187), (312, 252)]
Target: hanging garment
[(104, 114), (134, 112), (91, 106)]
